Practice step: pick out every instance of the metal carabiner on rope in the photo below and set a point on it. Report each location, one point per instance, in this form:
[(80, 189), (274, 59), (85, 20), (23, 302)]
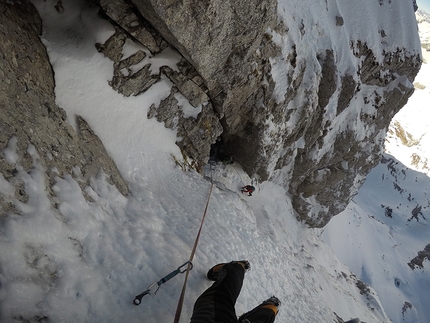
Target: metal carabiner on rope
[(138, 299)]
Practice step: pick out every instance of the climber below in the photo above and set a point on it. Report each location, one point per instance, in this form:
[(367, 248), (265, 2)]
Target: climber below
[(248, 189)]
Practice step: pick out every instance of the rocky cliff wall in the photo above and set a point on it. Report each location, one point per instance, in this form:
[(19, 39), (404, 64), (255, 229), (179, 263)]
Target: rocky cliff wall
[(302, 100), (32, 126), (297, 95)]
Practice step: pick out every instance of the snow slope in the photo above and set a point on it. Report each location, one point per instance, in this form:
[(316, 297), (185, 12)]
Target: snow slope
[(84, 260), (378, 235)]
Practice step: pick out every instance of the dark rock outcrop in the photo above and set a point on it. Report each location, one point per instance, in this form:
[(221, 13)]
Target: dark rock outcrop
[(29, 116), (418, 261), (195, 132), (198, 131)]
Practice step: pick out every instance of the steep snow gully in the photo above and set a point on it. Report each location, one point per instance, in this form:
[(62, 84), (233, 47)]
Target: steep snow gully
[(82, 255)]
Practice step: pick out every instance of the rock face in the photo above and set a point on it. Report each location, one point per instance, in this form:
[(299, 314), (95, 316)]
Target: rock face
[(313, 120), (297, 101), (224, 42), (422, 256), (31, 124)]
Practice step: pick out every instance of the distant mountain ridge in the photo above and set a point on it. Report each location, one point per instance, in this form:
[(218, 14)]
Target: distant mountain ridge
[(423, 20), (422, 16)]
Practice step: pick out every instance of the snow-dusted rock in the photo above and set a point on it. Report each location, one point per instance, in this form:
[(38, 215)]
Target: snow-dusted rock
[(31, 124), (304, 96), (97, 253)]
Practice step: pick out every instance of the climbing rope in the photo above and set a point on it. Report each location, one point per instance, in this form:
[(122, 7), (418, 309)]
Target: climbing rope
[(181, 298)]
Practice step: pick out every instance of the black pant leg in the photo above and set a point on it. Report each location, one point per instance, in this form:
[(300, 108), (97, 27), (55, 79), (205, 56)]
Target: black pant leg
[(258, 315), (216, 304)]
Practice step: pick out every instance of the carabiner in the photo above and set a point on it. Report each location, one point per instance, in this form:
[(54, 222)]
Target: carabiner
[(138, 299)]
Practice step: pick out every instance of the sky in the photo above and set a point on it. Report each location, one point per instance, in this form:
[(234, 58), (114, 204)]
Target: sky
[(85, 261), (424, 5)]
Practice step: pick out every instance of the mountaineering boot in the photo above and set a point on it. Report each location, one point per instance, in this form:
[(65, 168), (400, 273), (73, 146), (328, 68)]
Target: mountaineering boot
[(215, 270), (274, 301), (263, 312)]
